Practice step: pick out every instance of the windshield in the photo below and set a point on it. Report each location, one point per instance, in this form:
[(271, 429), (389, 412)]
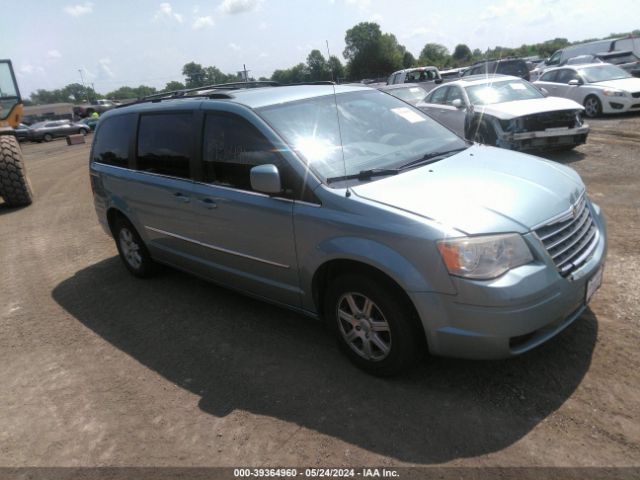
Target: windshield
[(411, 95), (602, 73), (503, 91), (375, 131)]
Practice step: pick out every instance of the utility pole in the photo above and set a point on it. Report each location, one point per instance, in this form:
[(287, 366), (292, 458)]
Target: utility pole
[(246, 76), (93, 89), (86, 92)]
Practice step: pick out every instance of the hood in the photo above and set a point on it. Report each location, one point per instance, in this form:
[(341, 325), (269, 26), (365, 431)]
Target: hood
[(519, 108), (481, 190), (627, 84)]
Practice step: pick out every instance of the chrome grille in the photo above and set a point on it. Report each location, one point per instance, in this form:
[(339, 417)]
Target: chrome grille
[(571, 239)]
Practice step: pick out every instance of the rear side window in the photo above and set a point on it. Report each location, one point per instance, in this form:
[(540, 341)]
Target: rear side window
[(164, 144), (113, 139)]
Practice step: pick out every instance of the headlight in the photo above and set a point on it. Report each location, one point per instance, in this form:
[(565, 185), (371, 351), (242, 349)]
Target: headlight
[(484, 257), (614, 93)]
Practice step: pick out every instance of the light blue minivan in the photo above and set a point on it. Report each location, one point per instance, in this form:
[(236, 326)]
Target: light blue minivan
[(345, 203)]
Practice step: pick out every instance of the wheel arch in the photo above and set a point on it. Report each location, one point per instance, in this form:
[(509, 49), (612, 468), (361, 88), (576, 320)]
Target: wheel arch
[(333, 268)]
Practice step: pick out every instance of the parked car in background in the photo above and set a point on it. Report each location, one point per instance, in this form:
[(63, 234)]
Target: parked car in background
[(90, 122), (22, 132), (600, 87), (346, 203), (507, 112), (412, 93), (47, 131), (626, 60), (429, 76), (505, 66)]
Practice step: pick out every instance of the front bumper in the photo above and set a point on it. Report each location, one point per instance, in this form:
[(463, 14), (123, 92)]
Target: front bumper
[(550, 138), (620, 104), (512, 314)]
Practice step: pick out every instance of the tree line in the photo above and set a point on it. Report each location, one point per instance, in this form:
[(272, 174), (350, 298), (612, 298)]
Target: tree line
[(369, 53)]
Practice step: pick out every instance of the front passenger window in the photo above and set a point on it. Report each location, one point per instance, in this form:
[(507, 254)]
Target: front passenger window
[(232, 147)]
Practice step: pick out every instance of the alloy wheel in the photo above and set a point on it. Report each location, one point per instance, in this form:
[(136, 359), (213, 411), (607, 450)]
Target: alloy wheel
[(363, 326), (130, 248)]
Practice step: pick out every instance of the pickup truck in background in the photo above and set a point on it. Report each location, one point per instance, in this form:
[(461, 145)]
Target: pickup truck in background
[(100, 106)]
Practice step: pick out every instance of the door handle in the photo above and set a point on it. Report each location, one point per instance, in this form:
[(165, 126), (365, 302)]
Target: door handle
[(181, 197), (208, 203)]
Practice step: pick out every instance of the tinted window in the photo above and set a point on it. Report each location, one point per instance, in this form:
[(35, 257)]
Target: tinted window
[(549, 76), (164, 144), (112, 140), (439, 95), (232, 146), (566, 75), (454, 94), (517, 69)]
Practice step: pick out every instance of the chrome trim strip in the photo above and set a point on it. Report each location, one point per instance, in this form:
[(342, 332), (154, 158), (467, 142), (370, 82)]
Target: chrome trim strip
[(219, 249), (587, 253), (567, 213)]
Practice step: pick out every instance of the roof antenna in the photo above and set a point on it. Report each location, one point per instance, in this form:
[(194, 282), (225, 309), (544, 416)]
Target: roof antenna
[(335, 99), (329, 61)]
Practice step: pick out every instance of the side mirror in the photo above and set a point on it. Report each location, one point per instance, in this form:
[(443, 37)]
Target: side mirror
[(574, 82), (544, 91), (438, 81), (457, 103), (265, 179)]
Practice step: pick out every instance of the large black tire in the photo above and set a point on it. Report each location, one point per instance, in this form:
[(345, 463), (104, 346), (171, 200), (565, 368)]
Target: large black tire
[(133, 252), (390, 319), (14, 184)]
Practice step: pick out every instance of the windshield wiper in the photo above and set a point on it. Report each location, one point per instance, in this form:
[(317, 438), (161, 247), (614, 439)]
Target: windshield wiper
[(366, 174), (431, 157)]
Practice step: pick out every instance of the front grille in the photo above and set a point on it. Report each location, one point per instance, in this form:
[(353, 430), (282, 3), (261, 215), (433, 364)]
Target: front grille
[(635, 94), (542, 121), (571, 239)]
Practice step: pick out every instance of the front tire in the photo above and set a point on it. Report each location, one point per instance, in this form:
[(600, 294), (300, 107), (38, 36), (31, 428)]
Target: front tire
[(47, 137), (373, 324), (15, 187), (592, 106), (133, 252)]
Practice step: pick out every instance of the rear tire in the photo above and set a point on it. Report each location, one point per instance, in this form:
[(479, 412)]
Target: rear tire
[(133, 252), (47, 137), (373, 324), (592, 106), (14, 183)]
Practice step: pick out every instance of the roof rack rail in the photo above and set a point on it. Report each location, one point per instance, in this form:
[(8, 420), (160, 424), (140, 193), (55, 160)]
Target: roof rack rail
[(216, 90)]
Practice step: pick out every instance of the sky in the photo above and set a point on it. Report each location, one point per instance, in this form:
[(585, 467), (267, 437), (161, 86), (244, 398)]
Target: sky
[(115, 43)]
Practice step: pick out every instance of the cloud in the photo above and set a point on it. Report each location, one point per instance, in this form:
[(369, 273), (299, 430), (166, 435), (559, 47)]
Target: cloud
[(104, 70), (361, 4), (79, 10), (263, 26), (29, 69), (203, 22), (263, 55), (54, 54), (166, 13), (233, 7), (235, 47)]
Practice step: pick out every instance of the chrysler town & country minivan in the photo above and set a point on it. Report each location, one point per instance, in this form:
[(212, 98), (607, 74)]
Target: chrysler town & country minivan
[(347, 204)]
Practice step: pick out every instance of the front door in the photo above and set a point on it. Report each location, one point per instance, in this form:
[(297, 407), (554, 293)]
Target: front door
[(245, 238)]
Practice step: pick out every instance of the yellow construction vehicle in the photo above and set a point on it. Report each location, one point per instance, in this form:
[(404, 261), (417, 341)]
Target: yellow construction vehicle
[(15, 188)]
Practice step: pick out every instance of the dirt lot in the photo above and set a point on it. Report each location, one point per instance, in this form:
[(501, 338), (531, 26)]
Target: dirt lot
[(99, 368)]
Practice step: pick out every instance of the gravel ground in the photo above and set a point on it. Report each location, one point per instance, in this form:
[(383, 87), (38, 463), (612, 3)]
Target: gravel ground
[(99, 368)]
